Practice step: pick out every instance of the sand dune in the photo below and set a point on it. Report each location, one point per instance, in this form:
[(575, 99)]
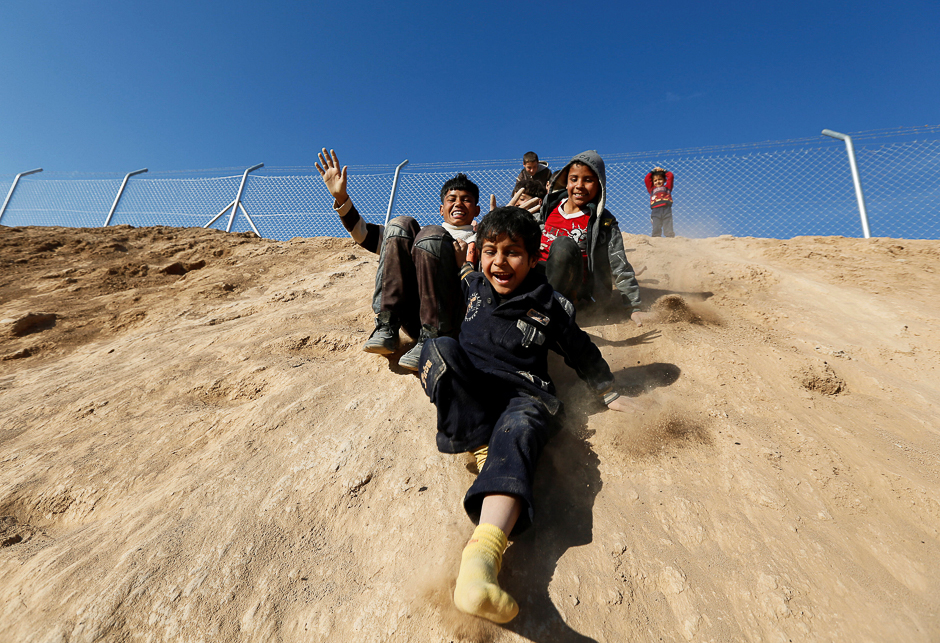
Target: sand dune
[(194, 448)]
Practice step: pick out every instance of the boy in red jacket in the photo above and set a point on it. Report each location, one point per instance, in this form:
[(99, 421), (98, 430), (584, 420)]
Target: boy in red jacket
[(659, 185)]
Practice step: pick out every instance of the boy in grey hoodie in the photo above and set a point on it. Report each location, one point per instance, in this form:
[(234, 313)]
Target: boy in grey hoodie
[(582, 249)]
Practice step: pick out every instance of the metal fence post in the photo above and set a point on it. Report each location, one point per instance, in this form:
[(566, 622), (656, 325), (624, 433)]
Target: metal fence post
[(13, 187), (119, 193), (391, 197), (237, 203), (850, 149)]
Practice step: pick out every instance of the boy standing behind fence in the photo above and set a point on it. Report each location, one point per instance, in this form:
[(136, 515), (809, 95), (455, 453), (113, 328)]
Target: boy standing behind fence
[(659, 185)]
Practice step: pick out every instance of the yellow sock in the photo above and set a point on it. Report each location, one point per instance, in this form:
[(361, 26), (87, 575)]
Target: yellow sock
[(480, 454), (478, 591)]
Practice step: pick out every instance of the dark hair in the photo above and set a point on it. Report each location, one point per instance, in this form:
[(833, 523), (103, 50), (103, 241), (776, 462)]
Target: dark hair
[(461, 182), (534, 188), (528, 157), (515, 223), (573, 163), (656, 173)]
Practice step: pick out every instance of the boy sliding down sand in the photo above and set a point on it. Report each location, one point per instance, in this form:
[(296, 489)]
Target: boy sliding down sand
[(494, 396), (582, 248), (417, 285)]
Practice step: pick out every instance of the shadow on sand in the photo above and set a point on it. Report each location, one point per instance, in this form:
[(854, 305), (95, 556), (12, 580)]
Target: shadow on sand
[(566, 484)]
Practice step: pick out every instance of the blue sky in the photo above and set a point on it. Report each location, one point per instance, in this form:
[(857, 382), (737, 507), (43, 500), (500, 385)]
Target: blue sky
[(99, 86)]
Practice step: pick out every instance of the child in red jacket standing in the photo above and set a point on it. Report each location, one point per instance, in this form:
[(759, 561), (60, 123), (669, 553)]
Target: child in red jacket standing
[(659, 185)]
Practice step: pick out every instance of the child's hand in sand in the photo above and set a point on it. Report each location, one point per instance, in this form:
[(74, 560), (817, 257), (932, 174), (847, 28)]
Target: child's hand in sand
[(624, 405), (333, 177)]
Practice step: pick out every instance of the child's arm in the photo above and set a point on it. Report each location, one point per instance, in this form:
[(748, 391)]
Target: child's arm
[(367, 235), (571, 342), (669, 177), (583, 355), (649, 182), (623, 274)]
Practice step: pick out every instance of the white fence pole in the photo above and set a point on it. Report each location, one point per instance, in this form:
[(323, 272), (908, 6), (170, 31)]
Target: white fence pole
[(237, 203), (118, 196), (13, 187), (850, 149), (391, 197)]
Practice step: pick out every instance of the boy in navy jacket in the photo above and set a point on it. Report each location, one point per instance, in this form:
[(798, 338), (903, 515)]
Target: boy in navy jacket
[(495, 398)]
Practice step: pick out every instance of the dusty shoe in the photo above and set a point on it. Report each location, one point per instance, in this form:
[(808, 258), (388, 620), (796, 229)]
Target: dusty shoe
[(410, 359), (384, 339)]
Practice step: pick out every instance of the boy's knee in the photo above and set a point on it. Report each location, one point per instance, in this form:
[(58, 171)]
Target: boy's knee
[(436, 354), (402, 227), (565, 250), (434, 240)]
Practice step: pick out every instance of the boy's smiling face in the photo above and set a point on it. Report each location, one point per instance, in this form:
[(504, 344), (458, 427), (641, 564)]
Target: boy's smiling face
[(582, 185), (505, 263), (459, 208), (659, 180), (531, 167)]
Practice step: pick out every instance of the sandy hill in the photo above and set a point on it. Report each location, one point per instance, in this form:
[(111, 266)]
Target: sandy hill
[(193, 447)]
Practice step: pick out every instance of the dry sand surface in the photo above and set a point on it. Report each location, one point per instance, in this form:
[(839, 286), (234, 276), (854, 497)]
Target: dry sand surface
[(193, 447)]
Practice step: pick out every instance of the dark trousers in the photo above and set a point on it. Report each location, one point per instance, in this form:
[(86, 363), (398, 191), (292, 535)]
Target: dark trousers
[(418, 279), (476, 409), (564, 268), (662, 221)]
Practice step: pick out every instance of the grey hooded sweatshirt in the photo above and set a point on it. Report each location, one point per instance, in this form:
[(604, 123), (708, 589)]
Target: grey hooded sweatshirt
[(606, 259)]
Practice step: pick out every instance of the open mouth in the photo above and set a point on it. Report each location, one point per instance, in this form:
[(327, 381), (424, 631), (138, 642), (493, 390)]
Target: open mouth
[(502, 278)]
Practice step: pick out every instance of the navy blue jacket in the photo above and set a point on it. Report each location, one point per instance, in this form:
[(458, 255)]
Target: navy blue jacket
[(511, 339)]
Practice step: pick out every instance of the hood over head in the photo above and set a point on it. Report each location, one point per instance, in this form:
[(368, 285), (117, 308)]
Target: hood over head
[(594, 161)]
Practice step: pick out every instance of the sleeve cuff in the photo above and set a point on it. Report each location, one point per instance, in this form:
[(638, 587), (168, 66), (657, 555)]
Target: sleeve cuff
[(344, 208), (610, 396)]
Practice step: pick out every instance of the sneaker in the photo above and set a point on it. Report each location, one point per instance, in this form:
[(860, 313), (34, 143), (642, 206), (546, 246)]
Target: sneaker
[(411, 359), (384, 339)]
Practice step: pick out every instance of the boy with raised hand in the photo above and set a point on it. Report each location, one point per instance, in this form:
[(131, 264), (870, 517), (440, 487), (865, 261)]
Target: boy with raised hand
[(659, 184), (582, 249), (494, 396), (417, 285)]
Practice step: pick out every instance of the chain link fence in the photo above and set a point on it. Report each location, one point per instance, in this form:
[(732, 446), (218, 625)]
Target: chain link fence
[(776, 189)]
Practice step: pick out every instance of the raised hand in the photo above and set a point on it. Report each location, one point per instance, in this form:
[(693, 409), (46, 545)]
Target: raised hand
[(333, 177), (531, 205)]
